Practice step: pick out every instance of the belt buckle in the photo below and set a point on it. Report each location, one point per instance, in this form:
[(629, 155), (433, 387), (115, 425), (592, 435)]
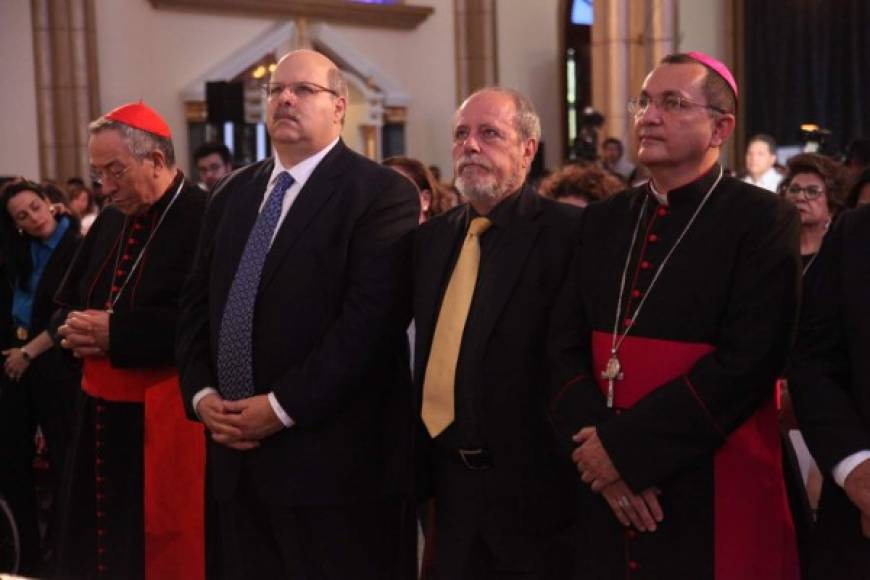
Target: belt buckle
[(21, 333), (470, 456)]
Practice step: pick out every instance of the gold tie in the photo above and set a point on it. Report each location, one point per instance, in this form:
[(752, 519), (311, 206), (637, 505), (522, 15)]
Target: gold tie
[(440, 376)]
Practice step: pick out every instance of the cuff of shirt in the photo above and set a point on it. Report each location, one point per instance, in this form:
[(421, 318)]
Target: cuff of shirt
[(279, 411), (199, 396), (842, 470)]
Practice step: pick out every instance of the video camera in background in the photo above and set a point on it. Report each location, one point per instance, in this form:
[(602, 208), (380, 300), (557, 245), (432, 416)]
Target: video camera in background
[(586, 143), (814, 138)]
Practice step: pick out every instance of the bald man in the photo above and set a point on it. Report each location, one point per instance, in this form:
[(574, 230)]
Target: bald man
[(292, 346)]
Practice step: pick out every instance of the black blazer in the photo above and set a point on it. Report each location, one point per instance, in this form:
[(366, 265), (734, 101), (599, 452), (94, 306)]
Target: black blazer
[(328, 334), (55, 362), (55, 270), (504, 353), (829, 380)]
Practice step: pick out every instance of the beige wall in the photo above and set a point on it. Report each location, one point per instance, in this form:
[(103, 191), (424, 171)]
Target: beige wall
[(421, 62), (701, 26), (152, 54), (19, 145), (528, 35)]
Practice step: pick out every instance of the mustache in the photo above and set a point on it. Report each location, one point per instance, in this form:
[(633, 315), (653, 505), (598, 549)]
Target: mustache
[(284, 113), (467, 160)]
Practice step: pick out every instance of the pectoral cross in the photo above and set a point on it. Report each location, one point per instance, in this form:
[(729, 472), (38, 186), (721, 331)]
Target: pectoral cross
[(612, 373)]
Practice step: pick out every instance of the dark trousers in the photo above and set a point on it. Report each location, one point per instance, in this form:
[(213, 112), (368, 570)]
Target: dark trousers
[(372, 541), (478, 534)]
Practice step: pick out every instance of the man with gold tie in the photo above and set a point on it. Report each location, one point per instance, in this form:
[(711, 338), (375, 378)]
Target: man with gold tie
[(487, 275)]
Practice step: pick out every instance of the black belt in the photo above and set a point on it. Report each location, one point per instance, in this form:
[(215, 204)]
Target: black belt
[(475, 459)]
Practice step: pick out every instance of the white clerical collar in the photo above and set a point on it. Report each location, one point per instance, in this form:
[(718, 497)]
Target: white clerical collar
[(302, 170), (662, 198)]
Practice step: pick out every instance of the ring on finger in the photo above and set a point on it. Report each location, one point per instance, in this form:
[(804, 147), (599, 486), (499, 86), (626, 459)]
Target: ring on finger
[(623, 502)]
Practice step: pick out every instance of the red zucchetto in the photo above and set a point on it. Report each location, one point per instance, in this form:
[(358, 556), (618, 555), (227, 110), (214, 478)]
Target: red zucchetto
[(140, 116)]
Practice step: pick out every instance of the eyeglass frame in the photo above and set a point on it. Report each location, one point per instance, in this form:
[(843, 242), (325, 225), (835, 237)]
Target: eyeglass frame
[(635, 108), (99, 175), (312, 86), (819, 191)]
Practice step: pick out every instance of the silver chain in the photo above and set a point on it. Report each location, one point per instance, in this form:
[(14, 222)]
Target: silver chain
[(617, 340)]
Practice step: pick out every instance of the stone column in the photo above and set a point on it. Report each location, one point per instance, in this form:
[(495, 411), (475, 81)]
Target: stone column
[(476, 51), (628, 39), (67, 89)]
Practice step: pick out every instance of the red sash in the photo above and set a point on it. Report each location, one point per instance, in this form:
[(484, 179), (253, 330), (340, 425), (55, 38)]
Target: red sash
[(174, 464), (754, 534)]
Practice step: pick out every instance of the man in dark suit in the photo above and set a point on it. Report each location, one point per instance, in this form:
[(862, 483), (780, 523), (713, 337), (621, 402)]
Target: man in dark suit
[(292, 346), (487, 275), (829, 379)]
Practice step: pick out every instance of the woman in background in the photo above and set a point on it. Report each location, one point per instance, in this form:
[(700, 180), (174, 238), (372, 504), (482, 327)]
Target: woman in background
[(40, 381)]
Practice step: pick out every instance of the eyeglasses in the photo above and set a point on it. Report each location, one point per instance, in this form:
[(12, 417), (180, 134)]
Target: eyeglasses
[(301, 90), (668, 104), (115, 173), (811, 191)]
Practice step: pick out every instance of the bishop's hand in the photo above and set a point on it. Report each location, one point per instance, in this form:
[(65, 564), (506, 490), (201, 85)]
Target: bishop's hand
[(592, 460)]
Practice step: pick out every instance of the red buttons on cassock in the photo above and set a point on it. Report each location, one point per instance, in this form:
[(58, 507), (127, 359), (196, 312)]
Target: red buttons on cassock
[(627, 322), (653, 238), (101, 568), (101, 532), (633, 566), (645, 265), (662, 211), (126, 257), (101, 515), (131, 241), (635, 293)]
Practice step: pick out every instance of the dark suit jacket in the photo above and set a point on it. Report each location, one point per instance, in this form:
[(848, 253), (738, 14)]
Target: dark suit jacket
[(503, 357), (328, 333), (829, 380)]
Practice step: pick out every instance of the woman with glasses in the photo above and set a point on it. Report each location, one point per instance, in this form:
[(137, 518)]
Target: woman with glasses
[(41, 381), (815, 184)]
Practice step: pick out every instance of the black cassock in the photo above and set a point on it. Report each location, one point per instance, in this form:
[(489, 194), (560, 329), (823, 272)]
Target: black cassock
[(694, 411), (829, 379), (134, 487)]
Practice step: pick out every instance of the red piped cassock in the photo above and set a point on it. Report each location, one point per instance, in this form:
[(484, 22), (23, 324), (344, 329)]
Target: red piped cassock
[(135, 489), (694, 413)]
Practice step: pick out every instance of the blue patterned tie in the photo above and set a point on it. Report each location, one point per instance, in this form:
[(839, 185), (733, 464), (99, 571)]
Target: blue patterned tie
[(235, 358)]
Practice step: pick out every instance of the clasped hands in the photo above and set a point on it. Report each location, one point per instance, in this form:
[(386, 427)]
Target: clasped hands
[(241, 424), (642, 511), (86, 333), (857, 487)]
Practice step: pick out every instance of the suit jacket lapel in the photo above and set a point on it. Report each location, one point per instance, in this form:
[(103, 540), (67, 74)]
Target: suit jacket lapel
[(434, 271), (507, 263), (243, 207), (319, 188)]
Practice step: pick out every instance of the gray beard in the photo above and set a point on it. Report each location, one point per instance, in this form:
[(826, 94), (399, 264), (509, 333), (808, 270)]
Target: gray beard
[(478, 192)]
